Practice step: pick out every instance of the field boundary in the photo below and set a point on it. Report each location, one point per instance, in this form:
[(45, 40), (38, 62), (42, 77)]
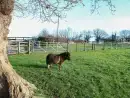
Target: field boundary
[(17, 47)]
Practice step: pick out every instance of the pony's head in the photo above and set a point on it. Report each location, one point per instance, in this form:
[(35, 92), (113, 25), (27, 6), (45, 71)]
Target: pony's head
[(66, 55)]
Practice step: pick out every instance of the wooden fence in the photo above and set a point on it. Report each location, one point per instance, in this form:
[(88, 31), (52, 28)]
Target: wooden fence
[(98, 46), (17, 47)]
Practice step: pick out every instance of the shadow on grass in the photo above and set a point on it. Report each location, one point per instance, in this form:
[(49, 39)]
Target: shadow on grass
[(34, 66)]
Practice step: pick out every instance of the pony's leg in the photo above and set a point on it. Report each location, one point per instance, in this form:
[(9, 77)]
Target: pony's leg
[(59, 67), (49, 66)]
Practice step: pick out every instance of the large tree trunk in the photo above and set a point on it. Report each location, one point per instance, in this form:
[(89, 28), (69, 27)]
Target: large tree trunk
[(11, 84)]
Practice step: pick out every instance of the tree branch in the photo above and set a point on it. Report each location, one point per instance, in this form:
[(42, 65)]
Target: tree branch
[(48, 10)]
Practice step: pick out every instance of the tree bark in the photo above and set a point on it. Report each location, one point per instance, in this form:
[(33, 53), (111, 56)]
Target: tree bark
[(11, 84)]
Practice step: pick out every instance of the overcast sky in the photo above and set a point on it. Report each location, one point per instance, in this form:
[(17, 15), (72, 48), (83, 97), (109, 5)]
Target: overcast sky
[(80, 18)]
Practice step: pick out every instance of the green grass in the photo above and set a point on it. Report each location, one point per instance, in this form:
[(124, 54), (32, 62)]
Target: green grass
[(92, 74)]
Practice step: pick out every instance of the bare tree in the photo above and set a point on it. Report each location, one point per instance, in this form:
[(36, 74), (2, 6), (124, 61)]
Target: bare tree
[(49, 10), (63, 33), (11, 84), (45, 10), (99, 34), (44, 33), (125, 34), (87, 35), (45, 36), (61, 36), (78, 36), (74, 36)]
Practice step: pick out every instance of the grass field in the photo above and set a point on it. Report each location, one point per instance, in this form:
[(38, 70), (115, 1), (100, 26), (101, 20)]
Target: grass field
[(91, 74)]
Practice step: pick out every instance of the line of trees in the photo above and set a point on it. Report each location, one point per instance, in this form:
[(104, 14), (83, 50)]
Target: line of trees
[(67, 34)]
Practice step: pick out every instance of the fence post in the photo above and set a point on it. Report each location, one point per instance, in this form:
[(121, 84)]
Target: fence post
[(116, 44), (103, 46), (121, 44), (53, 43), (46, 45), (76, 46), (57, 46), (111, 45), (70, 47), (19, 47), (38, 44), (29, 47), (67, 45), (92, 45), (84, 46), (32, 46)]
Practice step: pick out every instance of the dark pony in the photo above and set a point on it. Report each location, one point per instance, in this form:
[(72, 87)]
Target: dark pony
[(57, 59)]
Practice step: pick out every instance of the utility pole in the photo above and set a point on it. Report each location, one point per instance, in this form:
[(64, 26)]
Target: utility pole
[(57, 32), (68, 40)]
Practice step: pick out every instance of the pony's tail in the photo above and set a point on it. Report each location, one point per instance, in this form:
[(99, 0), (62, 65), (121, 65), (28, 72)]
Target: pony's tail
[(47, 59)]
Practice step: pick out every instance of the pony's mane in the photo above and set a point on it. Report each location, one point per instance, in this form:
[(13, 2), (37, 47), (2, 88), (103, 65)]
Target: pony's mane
[(64, 53)]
